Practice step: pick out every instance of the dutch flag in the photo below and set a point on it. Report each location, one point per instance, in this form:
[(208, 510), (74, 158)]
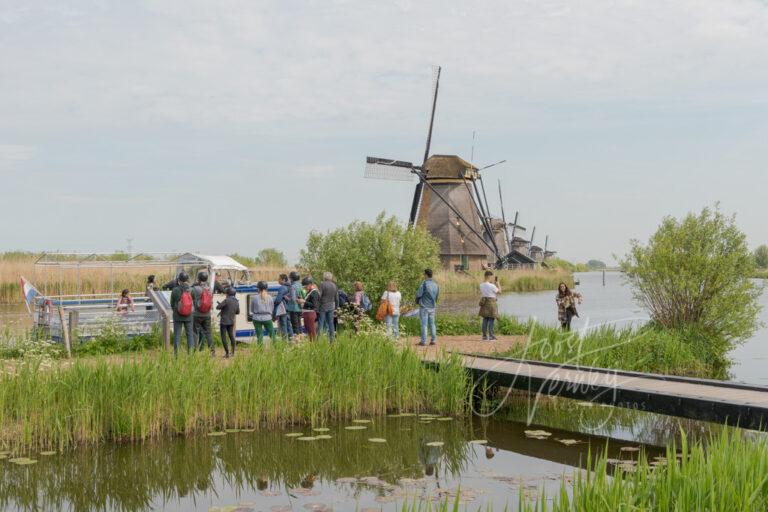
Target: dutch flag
[(29, 291)]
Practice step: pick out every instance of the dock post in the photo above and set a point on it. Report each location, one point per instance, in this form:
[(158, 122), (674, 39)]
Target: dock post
[(603, 277), (74, 322), (65, 331)]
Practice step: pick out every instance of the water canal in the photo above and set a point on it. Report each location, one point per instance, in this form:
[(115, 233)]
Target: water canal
[(411, 457), (613, 304)]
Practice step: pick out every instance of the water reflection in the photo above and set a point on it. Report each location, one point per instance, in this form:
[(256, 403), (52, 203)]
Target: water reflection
[(428, 460)]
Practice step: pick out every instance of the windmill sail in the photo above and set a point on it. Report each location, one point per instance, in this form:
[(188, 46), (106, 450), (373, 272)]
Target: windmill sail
[(420, 186)]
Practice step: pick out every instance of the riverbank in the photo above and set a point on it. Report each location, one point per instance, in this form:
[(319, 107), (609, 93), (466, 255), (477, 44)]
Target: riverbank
[(517, 280), (643, 349), (155, 395)]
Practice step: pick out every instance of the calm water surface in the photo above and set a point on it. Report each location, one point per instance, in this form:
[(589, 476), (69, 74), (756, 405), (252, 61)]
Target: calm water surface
[(269, 471)]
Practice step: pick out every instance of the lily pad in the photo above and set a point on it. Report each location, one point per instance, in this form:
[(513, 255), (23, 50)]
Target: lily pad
[(294, 434), (361, 421), (377, 440), (22, 461), (248, 430), (356, 427), (446, 418), (231, 430), (569, 442), (478, 441), (321, 429), (217, 434), (537, 433), (306, 438), (407, 414), (323, 436), (630, 449), (436, 443), (47, 454)]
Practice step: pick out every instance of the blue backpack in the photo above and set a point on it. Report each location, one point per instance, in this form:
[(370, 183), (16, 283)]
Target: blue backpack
[(365, 303)]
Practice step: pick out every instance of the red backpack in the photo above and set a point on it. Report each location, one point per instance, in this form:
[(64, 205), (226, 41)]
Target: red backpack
[(184, 306), (206, 301)]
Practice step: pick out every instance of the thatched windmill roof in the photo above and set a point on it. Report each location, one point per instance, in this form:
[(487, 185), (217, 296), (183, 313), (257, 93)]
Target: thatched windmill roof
[(449, 166)]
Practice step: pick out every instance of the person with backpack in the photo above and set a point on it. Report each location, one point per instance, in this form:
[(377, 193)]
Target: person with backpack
[(329, 303), (202, 299), (229, 308), (359, 305), (181, 304), (262, 308), (292, 305), (426, 298), (310, 306), (280, 314)]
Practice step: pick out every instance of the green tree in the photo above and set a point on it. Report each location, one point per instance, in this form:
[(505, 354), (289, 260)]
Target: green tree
[(694, 273), (271, 257), (374, 253), (596, 265), (761, 256)]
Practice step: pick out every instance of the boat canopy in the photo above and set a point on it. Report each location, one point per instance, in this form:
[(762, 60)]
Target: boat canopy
[(214, 262)]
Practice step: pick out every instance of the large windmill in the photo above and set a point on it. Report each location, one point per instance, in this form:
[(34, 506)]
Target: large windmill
[(447, 201)]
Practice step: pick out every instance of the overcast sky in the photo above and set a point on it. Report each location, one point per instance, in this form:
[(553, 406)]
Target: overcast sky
[(233, 126)]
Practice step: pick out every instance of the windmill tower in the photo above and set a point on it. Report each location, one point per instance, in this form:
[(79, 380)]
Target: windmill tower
[(446, 201)]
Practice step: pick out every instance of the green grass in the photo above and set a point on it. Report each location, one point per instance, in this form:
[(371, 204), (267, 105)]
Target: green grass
[(645, 349), (154, 395), (729, 473), (760, 273), (456, 283)]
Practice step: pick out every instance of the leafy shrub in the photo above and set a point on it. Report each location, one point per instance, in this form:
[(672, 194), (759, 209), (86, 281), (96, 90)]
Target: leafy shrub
[(694, 273), (113, 339), (374, 253)]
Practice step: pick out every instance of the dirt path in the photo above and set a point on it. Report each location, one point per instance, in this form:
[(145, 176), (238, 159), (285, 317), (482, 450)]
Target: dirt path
[(465, 344)]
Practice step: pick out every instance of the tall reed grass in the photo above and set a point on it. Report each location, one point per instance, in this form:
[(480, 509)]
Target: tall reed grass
[(511, 280), (729, 473), (157, 395), (51, 280)]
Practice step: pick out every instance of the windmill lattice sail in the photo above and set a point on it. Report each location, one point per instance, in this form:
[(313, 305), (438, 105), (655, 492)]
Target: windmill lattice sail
[(387, 169)]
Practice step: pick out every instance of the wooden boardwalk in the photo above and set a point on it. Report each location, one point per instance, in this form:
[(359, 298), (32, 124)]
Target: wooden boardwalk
[(704, 399)]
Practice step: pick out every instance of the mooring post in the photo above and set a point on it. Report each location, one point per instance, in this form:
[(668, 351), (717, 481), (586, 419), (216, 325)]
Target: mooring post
[(603, 277), (65, 331), (74, 322)]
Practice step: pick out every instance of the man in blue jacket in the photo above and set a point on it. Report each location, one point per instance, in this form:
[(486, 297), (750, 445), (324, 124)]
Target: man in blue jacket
[(280, 313), (426, 298)]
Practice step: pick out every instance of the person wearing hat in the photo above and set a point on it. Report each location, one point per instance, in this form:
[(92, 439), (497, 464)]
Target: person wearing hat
[(181, 322), (229, 308), (261, 309)]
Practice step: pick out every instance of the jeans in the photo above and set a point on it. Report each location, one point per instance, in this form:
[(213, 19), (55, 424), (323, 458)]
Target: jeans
[(568, 318), (326, 322), (286, 329), (393, 325), (427, 319), (202, 325), (295, 317), (178, 325), (227, 331), (488, 324)]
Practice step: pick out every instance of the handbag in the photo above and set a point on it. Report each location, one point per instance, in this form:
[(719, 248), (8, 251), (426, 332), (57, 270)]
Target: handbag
[(385, 309)]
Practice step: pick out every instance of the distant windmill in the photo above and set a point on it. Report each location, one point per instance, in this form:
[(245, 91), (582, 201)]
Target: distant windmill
[(446, 201)]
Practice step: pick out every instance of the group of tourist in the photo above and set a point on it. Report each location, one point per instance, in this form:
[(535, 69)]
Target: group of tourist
[(302, 306)]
